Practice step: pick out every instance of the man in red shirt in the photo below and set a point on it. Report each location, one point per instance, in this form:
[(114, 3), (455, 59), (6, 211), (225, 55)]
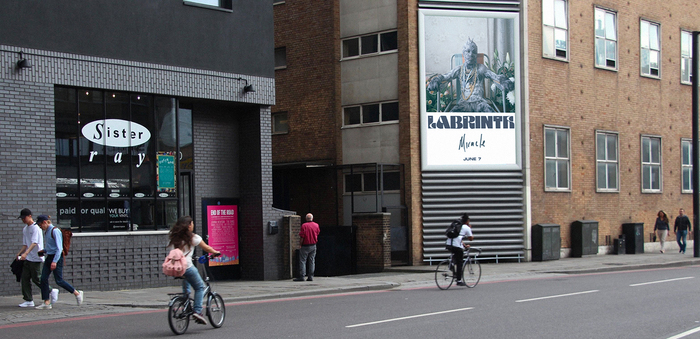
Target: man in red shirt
[(309, 236)]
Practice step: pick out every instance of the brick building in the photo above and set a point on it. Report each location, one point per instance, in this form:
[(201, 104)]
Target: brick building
[(118, 117), (572, 110)]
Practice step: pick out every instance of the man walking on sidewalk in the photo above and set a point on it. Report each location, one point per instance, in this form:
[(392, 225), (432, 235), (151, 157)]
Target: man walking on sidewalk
[(681, 227), (32, 243), (53, 244), (309, 236)]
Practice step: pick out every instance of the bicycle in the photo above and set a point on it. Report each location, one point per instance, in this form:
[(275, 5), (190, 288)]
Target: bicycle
[(471, 270), (181, 306)]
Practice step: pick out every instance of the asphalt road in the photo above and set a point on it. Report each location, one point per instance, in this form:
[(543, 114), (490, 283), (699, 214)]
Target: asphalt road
[(659, 303)]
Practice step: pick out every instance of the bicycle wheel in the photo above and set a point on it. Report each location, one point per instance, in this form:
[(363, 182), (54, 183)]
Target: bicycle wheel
[(444, 275), (472, 272), (216, 310), (178, 315)]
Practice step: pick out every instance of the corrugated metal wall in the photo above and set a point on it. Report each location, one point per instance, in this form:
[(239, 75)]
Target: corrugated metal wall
[(494, 202)]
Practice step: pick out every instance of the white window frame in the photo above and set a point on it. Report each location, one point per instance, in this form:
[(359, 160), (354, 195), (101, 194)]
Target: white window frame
[(649, 47), (686, 57), (686, 166), (362, 123), (275, 117), (650, 164), (557, 158), (555, 23), (379, 51), (607, 39), (220, 5), (607, 162)]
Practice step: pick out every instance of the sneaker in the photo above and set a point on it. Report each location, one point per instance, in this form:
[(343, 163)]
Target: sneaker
[(44, 307), (54, 295), (199, 319), (461, 283), (310, 279), (298, 279), (79, 298), (27, 304)]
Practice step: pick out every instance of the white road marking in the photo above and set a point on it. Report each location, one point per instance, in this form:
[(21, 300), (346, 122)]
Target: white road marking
[(660, 281), (410, 317), (685, 334), (556, 296)]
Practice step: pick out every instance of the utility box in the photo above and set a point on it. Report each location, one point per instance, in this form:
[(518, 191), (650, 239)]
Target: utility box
[(546, 242), (634, 237), (619, 246), (584, 238)]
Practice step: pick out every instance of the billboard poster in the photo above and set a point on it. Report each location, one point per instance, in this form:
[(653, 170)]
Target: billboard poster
[(469, 63), (222, 230)]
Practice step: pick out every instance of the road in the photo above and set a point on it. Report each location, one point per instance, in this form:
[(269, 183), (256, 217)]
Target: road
[(659, 303)]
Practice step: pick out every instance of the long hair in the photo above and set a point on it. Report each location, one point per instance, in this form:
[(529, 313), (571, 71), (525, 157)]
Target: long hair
[(664, 216), (180, 235)]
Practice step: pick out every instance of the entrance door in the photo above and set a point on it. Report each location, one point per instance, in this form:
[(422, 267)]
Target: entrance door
[(186, 193)]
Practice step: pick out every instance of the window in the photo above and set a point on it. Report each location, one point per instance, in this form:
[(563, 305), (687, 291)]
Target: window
[(556, 149), (687, 166), (281, 58), (367, 182), (686, 57), (369, 44), (555, 29), (650, 48), (279, 123), (605, 38), (371, 113), (651, 164), (277, 2), (607, 162), (225, 4)]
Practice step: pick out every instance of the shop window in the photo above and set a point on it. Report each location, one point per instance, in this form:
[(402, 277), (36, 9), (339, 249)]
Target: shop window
[(116, 162), (605, 38), (557, 160), (686, 57), (555, 30), (607, 162), (687, 166), (651, 164), (650, 54)]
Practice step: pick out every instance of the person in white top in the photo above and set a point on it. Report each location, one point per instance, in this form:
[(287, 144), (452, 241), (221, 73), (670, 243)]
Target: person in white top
[(456, 246), (182, 236), (32, 244)]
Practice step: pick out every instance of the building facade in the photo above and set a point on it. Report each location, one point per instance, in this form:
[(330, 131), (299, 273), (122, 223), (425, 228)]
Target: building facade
[(515, 112), (119, 117)]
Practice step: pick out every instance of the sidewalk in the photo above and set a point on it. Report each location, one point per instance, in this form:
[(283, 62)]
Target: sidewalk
[(104, 302)]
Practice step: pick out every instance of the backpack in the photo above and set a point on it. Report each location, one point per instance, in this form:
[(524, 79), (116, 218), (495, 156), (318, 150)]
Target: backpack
[(66, 234), (175, 263), (454, 228)]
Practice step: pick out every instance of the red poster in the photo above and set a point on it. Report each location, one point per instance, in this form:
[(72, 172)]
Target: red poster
[(222, 226)]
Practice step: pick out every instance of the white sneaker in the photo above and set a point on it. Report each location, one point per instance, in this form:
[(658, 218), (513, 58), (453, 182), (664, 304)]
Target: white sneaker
[(54, 295), (79, 298), (44, 307), (27, 304)]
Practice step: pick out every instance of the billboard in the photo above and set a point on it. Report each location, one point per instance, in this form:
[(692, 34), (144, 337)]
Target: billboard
[(469, 64)]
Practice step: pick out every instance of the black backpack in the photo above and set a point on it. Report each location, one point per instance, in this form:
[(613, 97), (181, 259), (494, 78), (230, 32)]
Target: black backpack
[(454, 228)]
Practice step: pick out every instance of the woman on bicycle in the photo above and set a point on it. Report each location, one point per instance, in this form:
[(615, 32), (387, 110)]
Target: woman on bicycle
[(182, 236), (455, 246)]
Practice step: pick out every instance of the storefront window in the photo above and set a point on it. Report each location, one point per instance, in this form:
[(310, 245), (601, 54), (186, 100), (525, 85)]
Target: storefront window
[(117, 159)]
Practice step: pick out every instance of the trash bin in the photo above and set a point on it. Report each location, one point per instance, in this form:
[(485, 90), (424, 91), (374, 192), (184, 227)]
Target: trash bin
[(546, 242), (584, 238), (634, 237)]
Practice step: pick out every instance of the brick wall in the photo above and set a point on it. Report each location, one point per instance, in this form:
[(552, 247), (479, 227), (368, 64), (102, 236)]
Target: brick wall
[(373, 241)]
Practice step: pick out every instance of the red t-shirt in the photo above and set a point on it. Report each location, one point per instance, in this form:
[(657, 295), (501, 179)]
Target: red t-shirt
[(309, 233)]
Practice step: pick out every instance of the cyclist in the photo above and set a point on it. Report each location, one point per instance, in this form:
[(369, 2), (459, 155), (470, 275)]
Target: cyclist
[(456, 246), (182, 236)]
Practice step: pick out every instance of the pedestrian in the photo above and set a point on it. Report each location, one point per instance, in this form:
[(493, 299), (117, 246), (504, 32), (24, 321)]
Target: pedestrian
[(32, 243), (53, 262), (456, 246), (661, 228), (681, 227), (307, 252), (182, 236)]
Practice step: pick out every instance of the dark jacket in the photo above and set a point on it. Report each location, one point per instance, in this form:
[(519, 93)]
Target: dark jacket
[(661, 225), (682, 224), (16, 268)]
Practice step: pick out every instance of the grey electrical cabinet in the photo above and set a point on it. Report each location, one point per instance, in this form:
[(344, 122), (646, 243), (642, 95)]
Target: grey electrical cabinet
[(546, 242), (584, 238)]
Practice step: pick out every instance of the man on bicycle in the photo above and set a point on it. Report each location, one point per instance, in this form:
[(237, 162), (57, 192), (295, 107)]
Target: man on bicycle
[(456, 246)]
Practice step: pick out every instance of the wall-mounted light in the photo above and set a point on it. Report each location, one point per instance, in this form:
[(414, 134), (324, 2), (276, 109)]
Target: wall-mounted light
[(22, 62), (246, 88)]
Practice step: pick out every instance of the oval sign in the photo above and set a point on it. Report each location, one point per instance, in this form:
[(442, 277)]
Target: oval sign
[(88, 195), (61, 195), (139, 195), (114, 195), (116, 133), (163, 195)]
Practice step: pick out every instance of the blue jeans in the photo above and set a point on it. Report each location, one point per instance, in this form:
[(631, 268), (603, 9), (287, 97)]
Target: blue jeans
[(681, 237), (192, 278), (57, 274), (307, 253)]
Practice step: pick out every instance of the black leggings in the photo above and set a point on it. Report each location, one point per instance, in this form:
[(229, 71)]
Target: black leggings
[(457, 258)]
